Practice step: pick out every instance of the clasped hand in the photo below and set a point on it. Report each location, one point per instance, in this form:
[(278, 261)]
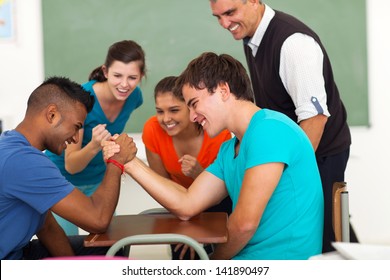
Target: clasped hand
[(190, 166), (99, 134), (119, 147)]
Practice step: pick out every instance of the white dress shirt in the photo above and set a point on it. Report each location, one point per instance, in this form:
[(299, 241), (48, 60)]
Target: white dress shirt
[(301, 64)]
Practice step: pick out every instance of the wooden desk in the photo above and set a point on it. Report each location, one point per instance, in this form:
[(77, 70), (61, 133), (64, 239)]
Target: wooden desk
[(208, 227)]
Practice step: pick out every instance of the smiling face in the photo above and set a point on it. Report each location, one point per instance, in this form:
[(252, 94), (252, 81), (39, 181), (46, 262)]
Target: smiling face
[(123, 78), (241, 19), (205, 109), (65, 127), (172, 113)]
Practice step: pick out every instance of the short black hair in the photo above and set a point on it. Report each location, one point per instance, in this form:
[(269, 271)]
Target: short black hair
[(59, 90)]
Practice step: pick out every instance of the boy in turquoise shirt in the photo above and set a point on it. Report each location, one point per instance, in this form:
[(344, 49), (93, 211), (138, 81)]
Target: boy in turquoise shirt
[(268, 169)]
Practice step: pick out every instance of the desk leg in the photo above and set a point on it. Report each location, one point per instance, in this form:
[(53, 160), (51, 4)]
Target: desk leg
[(126, 250)]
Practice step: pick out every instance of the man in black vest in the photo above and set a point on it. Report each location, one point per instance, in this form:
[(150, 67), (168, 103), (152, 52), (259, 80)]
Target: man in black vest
[(291, 73)]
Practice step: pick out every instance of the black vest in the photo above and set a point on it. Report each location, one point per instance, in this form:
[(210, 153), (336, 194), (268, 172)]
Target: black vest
[(270, 92)]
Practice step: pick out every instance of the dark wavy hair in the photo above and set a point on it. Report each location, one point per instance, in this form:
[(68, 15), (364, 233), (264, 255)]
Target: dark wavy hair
[(209, 70), (124, 51)]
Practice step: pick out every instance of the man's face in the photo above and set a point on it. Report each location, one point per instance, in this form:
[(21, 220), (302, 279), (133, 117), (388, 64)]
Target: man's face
[(65, 128), (239, 18), (204, 109)]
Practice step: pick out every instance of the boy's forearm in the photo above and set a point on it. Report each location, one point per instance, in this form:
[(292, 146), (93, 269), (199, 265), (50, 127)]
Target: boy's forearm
[(165, 191)]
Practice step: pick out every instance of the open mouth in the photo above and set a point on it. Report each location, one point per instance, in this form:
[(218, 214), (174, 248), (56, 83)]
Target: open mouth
[(122, 91), (170, 125), (234, 27)]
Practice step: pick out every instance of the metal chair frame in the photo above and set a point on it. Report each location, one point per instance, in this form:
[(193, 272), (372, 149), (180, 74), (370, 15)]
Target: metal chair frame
[(163, 238)]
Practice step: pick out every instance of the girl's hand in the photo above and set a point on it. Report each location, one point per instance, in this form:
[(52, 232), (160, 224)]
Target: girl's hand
[(99, 134), (109, 148), (190, 166)]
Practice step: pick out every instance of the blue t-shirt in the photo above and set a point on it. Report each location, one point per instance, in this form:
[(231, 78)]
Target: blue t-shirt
[(292, 223), (30, 184), (93, 173)]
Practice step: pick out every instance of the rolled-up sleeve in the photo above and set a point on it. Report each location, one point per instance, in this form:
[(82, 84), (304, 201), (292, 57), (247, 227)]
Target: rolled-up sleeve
[(301, 71)]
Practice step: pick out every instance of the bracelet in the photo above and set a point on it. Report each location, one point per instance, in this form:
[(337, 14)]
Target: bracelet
[(113, 161)]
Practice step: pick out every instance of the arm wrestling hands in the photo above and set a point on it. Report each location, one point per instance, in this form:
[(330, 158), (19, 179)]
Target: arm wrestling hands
[(190, 167), (119, 147)]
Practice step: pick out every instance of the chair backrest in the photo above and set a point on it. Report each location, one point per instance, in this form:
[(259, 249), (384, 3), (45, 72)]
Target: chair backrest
[(340, 211), (158, 210), (163, 238)]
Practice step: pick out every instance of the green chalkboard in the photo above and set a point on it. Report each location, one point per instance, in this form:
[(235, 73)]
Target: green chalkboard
[(77, 34)]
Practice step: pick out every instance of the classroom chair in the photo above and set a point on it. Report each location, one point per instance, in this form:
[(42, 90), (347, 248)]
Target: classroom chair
[(340, 212), (163, 238), (157, 210)]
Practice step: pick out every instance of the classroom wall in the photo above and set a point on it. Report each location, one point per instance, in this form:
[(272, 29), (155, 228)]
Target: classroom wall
[(21, 62), (21, 70), (70, 28)]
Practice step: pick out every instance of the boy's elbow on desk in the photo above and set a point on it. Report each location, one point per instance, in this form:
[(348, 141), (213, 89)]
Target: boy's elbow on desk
[(184, 214), (99, 226), (184, 218)]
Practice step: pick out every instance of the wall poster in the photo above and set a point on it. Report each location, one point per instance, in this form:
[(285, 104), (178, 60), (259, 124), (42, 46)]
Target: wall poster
[(7, 20)]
